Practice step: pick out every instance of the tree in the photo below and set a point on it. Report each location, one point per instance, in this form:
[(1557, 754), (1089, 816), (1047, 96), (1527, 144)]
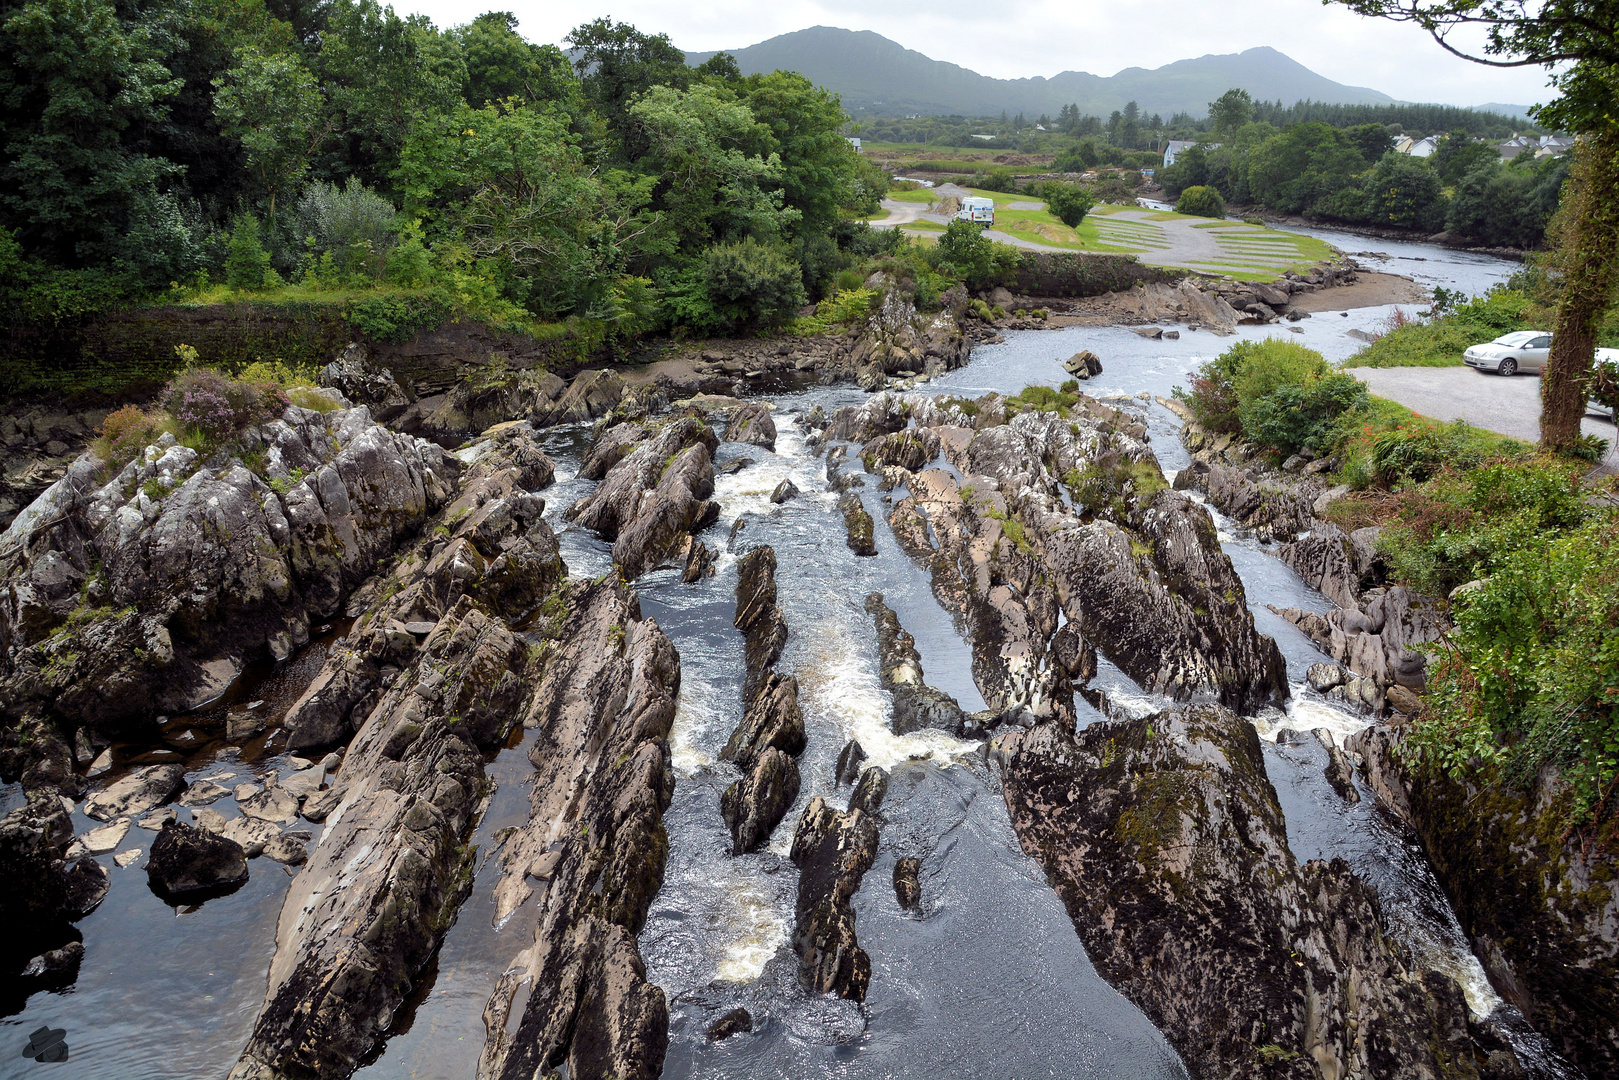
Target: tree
[(76, 81), (1372, 140), (500, 64), (1069, 202), (1578, 41), (717, 180), (805, 125), (1201, 202), (1230, 111), (1404, 191), (384, 74), (617, 63), (273, 106), (1457, 155)]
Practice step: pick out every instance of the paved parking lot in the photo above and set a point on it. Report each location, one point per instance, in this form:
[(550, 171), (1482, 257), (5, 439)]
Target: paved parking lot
[(1510, 406)]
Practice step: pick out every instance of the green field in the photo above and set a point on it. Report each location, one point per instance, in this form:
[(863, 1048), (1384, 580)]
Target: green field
[(1242, 251)]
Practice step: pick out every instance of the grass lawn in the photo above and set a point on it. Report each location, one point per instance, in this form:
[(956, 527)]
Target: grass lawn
[(920, 195)]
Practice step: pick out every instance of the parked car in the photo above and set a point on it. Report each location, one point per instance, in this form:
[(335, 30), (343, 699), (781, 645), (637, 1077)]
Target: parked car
[(1521, 350), (1605, 370)]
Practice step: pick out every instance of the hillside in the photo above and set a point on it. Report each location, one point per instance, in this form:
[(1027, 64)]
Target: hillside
[(876, 76)]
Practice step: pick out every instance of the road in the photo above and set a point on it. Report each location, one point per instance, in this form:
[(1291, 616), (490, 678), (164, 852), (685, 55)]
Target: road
[(1510, 406)]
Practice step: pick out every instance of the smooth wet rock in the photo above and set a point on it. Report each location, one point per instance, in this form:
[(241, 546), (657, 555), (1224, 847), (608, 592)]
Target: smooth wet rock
[(55, 967), (127, 858), (87, 886), (202, 793), (284, 849), (916, 704), (857, 524), (142, 790), (157, 819), (849, 760), (253, 834), (735, 465), (1083, 365), (833, 851), (735, 1022), (755, 804), (752, 423), (188, 862), (1323, 677), (908, 883), (1337, 772), (785, 492), (105, 839), (699, 562), (870, 791)]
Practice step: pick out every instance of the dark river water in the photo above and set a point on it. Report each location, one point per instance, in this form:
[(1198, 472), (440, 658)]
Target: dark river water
[(992, 979)]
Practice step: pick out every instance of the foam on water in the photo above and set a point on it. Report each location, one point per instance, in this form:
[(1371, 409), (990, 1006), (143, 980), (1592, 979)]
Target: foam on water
[(760, 929), (1306, 712), (840, 683), (696, 713)]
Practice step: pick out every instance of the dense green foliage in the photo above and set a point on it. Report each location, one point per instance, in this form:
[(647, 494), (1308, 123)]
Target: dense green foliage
[(153, 150), (1276, 393), (1451, 328), (1352, 174), (1201, 201), (1529, 676)]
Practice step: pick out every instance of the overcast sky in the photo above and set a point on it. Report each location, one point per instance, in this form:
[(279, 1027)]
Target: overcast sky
[(1018, 38)]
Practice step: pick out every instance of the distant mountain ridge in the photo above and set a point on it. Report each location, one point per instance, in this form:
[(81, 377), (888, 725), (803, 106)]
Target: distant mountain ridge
[(879, 77)]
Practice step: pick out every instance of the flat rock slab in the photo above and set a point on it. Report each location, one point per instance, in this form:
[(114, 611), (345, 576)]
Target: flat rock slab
[(140, 791), (102, 840), (202, 793), (272, 804)]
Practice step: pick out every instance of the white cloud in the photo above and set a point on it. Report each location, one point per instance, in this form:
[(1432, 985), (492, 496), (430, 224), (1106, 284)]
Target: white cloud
[(1018, 38)]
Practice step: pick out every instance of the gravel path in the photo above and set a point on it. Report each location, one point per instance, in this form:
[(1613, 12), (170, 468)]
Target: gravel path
[(1510, 406)]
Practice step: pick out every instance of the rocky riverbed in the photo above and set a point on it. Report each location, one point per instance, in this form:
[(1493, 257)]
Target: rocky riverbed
[(658, 731)]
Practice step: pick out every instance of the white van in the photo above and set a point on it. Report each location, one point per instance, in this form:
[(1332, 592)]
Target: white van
[(977, 208)]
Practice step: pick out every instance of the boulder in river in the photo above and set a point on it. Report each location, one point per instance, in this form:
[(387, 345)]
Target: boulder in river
[(833, 851), (188, 862), (858, 524), (1164, 839), (751, 423), (735, 1022), (755, 804), (1084, 364), (916, 704), (908, 883)]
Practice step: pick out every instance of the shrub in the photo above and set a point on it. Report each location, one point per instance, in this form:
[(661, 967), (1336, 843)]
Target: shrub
[(1529, 676), (1270, 363), (1295, 416), (124, 434), (209, 403), (965, 251), (752, 283), (397, 317), (352, 223), (1069, 202), (1200, 200), (247, 264)]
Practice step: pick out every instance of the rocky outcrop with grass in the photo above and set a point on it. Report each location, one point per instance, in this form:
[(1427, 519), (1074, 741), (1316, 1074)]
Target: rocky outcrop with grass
[(770, 735), (1053, 507), (1537, 898), (145, 583), (593, 850), (1165, 841), (490, 543), (654, 498)]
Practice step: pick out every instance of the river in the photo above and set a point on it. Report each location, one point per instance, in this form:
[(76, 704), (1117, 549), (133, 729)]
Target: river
[(991, 979)]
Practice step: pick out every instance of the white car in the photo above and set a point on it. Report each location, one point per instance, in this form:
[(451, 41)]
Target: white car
[(1521, 350), (1605, 358)]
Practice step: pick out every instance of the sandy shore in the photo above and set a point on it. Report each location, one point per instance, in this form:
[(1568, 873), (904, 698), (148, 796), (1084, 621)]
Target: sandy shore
[(1371, 290)]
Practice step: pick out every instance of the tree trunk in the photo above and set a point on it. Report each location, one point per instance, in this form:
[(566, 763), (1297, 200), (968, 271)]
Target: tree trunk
[(1589, 261)]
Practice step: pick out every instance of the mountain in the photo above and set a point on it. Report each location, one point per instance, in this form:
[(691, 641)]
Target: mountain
[(879, 77), (1517, 112)]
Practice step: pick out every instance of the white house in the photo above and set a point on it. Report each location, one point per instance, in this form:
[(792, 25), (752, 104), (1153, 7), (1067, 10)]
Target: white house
[(1424, 147), (855, 143), (1174, 147)]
